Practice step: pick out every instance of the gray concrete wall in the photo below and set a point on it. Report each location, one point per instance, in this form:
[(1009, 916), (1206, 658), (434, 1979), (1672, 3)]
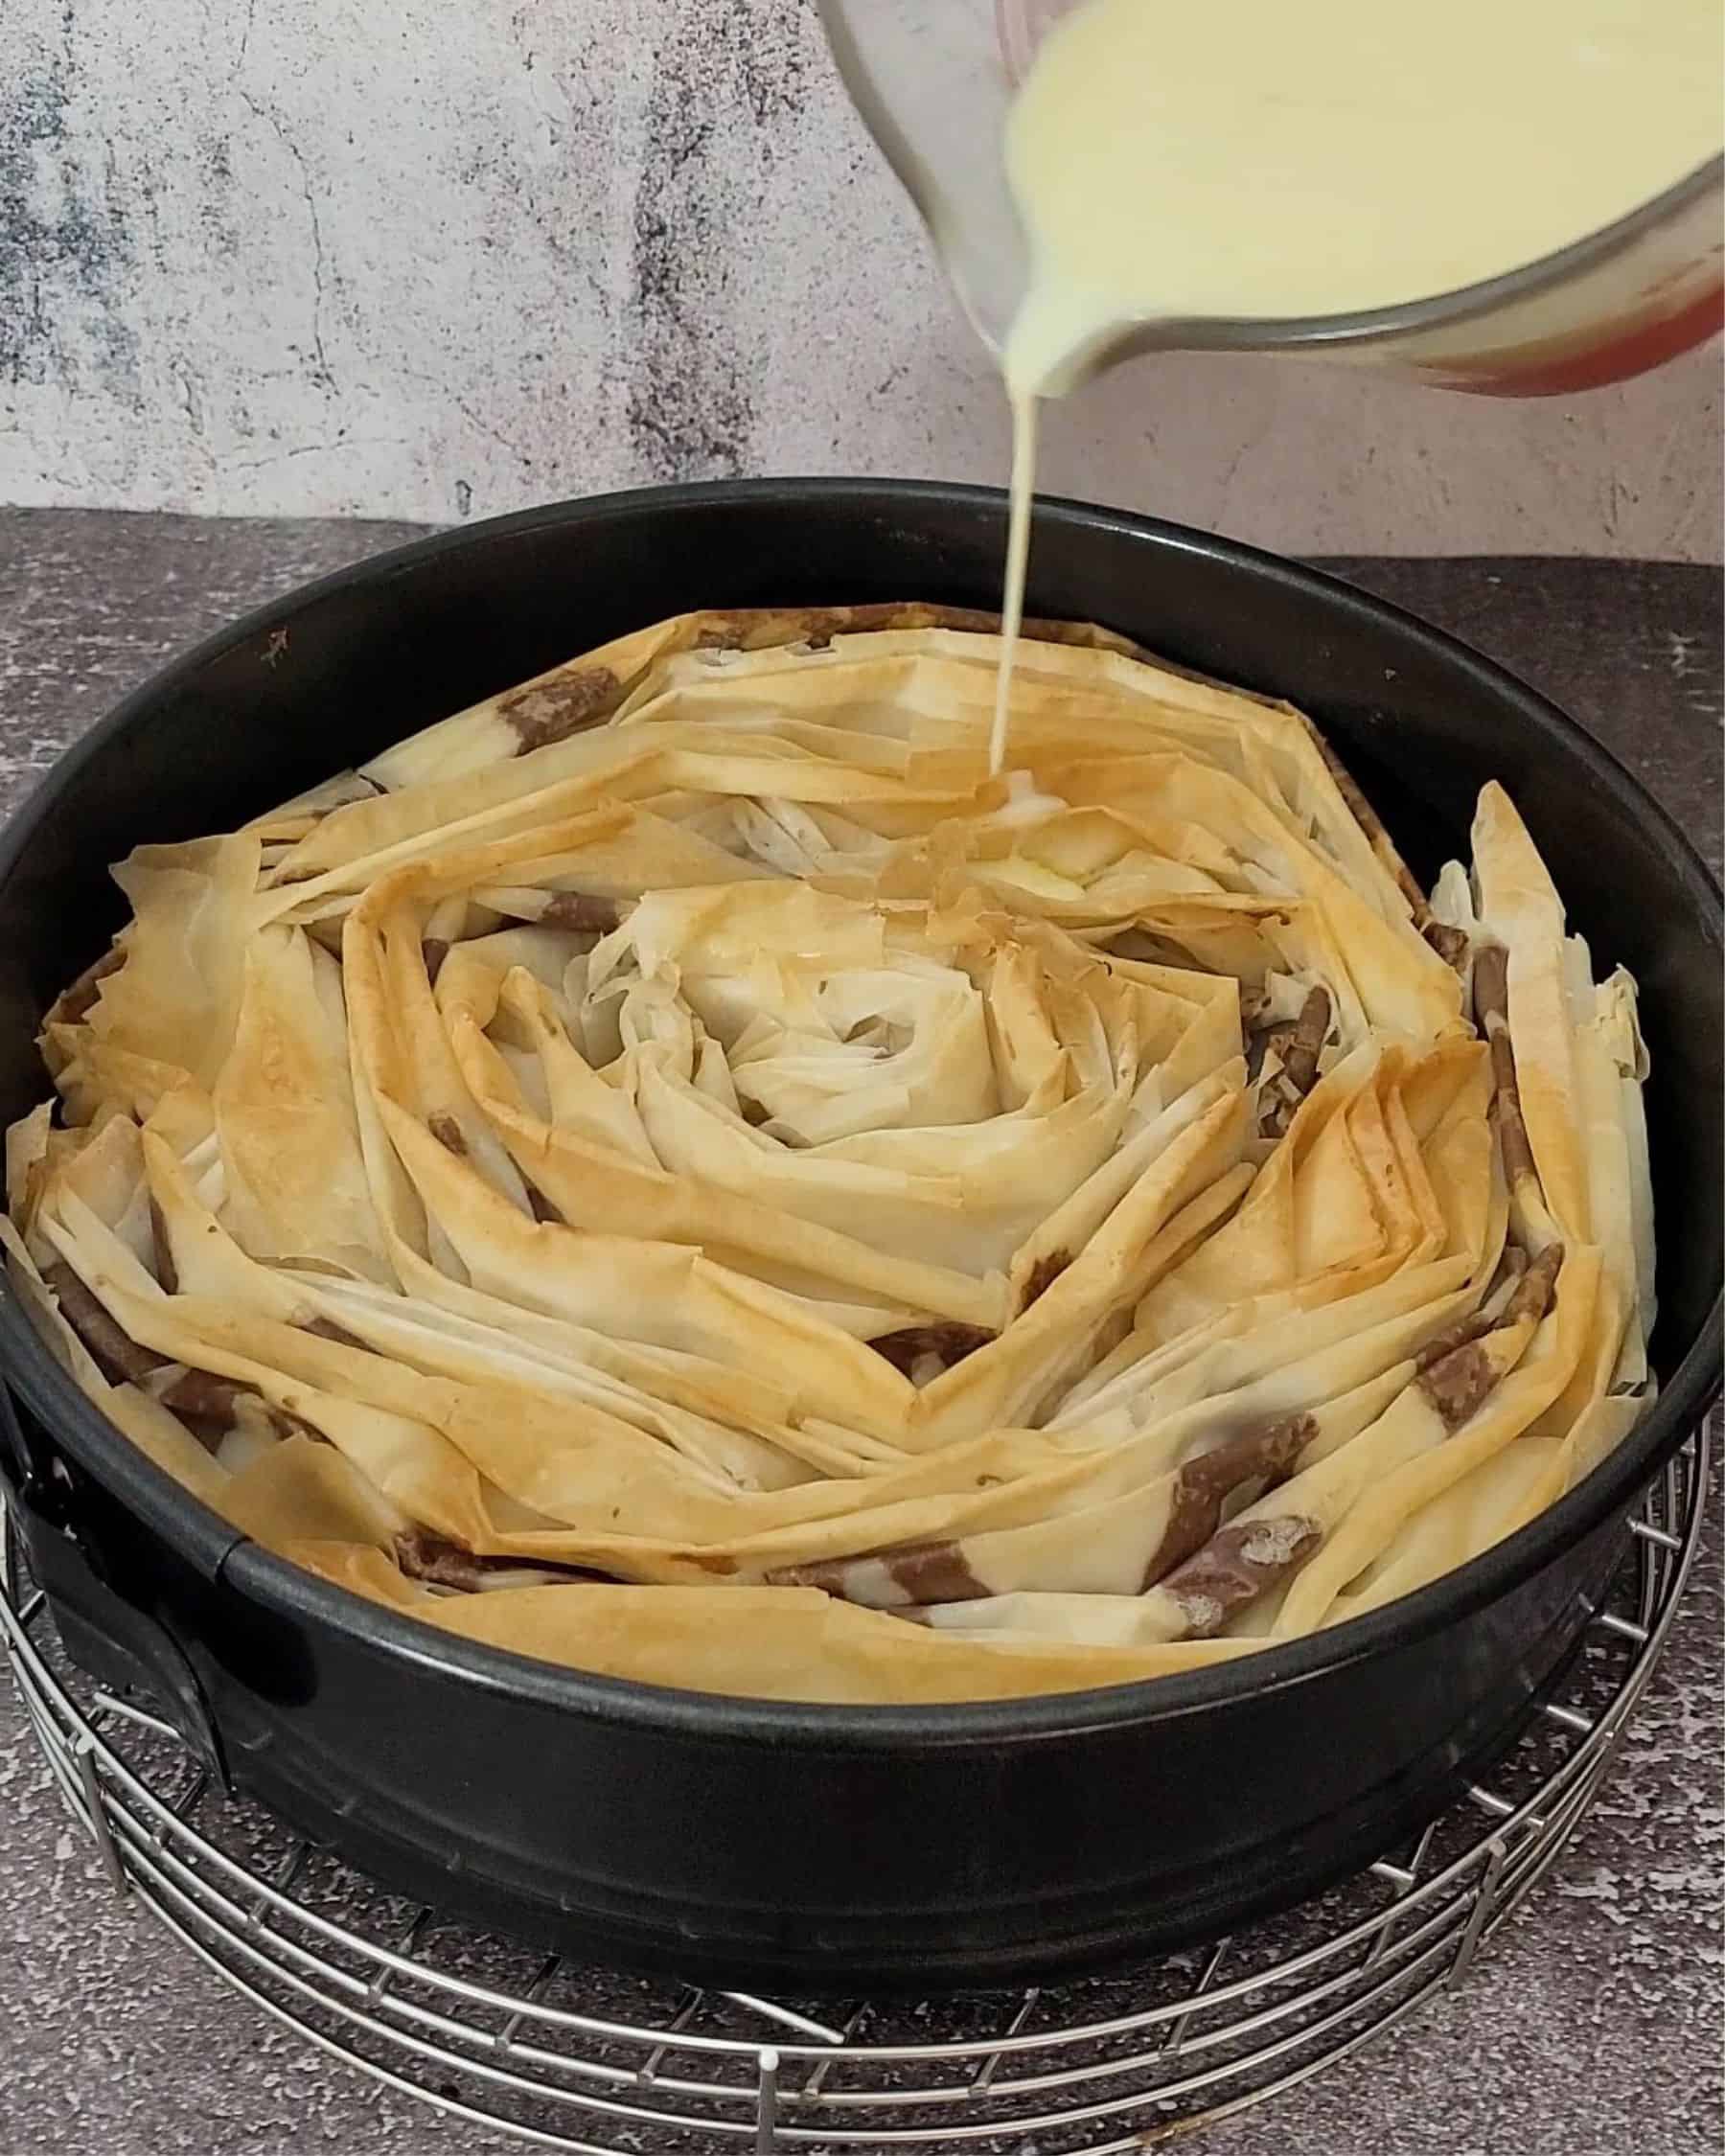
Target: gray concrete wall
[(440, 258)]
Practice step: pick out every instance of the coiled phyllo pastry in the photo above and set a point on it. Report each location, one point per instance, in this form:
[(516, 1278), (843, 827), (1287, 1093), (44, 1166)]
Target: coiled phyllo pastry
[(676, 1171)]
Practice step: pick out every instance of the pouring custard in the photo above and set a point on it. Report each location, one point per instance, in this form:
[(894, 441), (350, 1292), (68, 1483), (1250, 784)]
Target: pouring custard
[(1248, 160)]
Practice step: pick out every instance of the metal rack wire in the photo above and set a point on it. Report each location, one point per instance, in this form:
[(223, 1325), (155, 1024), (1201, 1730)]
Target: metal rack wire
[(593, 2063)]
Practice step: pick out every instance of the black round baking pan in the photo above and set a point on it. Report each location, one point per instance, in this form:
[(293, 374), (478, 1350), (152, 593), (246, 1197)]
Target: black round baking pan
[(837, 1847)]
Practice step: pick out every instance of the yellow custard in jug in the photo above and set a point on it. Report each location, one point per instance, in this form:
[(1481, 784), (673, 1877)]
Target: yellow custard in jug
[(1278, 159)]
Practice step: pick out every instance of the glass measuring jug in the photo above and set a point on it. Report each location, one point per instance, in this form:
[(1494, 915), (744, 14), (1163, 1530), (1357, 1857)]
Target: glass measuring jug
[(933, 81)]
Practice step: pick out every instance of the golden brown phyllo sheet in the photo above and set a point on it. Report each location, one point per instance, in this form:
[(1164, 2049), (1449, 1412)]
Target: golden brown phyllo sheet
[(676, 1171)]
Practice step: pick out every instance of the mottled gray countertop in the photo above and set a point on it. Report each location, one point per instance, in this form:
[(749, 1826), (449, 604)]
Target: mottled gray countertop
[(1594, 2025)]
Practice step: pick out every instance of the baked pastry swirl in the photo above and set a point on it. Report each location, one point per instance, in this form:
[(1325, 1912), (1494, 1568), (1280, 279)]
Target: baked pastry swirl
[(675, 1171)]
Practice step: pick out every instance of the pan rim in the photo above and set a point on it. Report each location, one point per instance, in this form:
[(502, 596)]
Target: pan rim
[(224, 1553)]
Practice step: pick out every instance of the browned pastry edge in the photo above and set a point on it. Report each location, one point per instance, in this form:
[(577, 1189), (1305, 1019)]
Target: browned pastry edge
[(210, 1406), (924, 1573), (326, 1328), (1452, 945), (166, 1270), (1236, 1564), (1301, 1049), (950, 1341), (1203, 1484), (1042, 1275), (1458, 1382), (109, 1346), (544, 712), (582, 910), (1491, 1007), (439, 1561)]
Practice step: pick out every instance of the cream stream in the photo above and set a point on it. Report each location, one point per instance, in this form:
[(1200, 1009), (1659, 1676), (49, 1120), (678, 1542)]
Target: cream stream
[(1018, 557)]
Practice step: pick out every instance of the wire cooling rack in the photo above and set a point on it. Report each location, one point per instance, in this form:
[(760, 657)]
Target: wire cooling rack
[(593, 2063)]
